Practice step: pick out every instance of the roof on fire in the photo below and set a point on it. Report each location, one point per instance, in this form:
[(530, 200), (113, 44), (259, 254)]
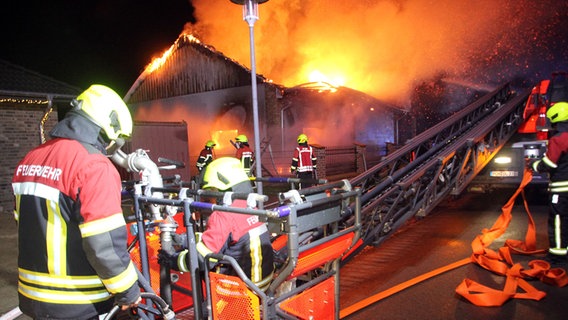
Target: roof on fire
[(188, 67)]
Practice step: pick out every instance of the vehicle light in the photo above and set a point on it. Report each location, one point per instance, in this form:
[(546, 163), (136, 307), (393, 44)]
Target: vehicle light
[(502, 160)]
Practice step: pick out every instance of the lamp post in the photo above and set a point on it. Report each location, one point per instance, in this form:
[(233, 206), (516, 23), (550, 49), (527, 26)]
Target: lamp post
[(250, 15)]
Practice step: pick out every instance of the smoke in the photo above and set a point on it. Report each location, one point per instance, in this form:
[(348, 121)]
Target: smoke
[(385, 47)]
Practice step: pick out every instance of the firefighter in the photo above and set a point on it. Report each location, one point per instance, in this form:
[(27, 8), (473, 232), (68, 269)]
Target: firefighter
[(205, 157), (240, 236), (244, 153), (555, 162), (73, 261), (304, 161)]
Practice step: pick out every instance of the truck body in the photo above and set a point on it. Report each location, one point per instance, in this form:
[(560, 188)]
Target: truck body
[(506, 168)]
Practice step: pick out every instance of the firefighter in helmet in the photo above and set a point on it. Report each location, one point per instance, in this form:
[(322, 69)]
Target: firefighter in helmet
[(555, 162), (205, 158), (304, 161), (241, 236), (244, 153), (73, 261)]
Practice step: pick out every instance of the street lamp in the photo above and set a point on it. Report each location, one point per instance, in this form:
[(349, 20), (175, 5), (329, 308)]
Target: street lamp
[(250, 15)]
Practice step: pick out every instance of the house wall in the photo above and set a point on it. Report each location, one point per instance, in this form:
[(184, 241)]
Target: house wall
[(220, 115), (329, 119), (19, 133)]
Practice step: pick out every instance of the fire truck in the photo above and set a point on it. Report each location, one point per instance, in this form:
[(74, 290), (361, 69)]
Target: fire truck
[(529, 142), (315, 230)]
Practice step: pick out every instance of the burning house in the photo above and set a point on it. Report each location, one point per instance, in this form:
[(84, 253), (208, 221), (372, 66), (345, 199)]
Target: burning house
[(198, 87)]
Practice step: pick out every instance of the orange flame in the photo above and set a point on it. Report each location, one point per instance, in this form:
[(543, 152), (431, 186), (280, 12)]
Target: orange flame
[(159, 61), (379, 47)]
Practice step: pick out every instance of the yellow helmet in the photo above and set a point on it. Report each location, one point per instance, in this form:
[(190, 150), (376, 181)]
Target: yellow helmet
[(558, 112), (242, 138), (210, 144), (224, 173), (106, 109), (302, 138)]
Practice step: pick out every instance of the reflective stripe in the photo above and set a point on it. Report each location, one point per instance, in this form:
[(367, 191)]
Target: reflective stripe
[(302, 167), (102, 225), (264, 283), (255, 255), (557, 235), (182, 262), (535, 165), (559, 184), (17, 208), (63, 297), (123, 281), (56, 232), (36, 189), (51, 280), (203, 250), (549, 162), (558, 251), (559, 189)]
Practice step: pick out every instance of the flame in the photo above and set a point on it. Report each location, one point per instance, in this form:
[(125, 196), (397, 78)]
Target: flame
[(317, 76), (384, 47), (222, 140), (159, 61)]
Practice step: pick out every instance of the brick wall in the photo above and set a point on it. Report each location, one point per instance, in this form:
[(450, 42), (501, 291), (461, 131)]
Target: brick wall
[(19, 133)]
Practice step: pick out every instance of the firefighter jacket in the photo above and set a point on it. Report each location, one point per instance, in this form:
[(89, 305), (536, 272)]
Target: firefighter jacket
[(246, 155), (555, 161), (242, 237), (205, 157), (304, 159), (71, 232)]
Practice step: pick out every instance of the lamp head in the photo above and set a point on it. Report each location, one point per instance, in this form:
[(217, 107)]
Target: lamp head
[(242, 2)]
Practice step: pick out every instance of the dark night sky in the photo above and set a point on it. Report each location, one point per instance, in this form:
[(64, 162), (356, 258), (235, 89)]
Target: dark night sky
[(81, 42)]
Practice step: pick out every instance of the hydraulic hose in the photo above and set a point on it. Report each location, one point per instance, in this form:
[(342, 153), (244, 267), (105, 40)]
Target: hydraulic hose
[(163, 307)]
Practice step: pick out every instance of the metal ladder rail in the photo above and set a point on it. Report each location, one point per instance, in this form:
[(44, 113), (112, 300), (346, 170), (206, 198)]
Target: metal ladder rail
[(391, 199), (394, 166), (449, 171)]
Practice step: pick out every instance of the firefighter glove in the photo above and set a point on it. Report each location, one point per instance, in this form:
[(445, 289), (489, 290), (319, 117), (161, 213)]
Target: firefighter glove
[(167, 259)]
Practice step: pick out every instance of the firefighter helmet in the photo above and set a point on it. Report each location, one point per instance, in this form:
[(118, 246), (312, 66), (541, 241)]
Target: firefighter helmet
[(210, 144), (106, 109), (224, 173), (558, 112), (302, 138), (242, 138)]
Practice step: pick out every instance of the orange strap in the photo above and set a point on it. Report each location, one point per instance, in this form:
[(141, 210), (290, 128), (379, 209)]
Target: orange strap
[(399, 287), (501, 262), (497, 262)]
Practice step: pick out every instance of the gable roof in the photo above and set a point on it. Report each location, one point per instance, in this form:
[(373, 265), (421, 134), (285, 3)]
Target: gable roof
[(19, 82), (188, 67)]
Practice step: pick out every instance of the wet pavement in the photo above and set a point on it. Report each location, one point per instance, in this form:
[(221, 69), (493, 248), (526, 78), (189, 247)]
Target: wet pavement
[(442, 238)]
